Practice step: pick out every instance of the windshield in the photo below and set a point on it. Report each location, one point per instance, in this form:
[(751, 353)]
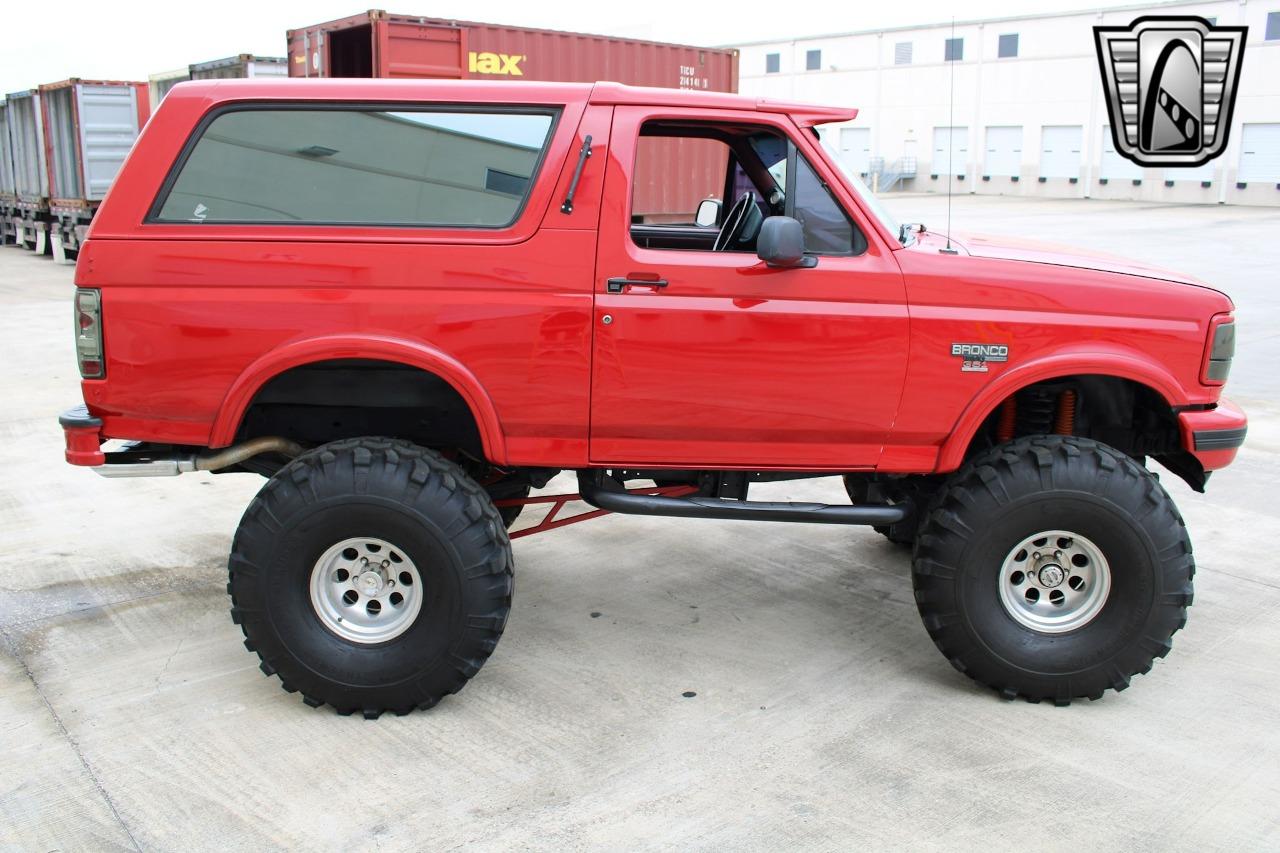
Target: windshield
[(873, 205)]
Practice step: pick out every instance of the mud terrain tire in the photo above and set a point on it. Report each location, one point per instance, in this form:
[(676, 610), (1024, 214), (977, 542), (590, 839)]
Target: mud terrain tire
[(969, 543), (390, 498)]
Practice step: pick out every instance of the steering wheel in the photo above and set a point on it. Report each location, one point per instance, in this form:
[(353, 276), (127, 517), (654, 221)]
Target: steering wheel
[(739, 224)]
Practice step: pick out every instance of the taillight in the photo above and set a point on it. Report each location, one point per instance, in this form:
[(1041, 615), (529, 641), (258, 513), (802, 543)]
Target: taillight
[(88, 309), (1219, 350)]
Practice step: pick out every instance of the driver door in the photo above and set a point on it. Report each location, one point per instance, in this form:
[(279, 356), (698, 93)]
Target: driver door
[(713, 359)]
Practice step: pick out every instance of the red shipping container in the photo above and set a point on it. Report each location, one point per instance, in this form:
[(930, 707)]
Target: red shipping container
[(379, 44)]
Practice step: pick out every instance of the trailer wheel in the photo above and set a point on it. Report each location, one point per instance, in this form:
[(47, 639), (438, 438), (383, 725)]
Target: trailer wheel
[(1053, 567), (371, 574)]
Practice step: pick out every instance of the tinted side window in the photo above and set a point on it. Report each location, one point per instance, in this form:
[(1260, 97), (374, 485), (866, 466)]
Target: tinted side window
[(361, 167), (827, 230)]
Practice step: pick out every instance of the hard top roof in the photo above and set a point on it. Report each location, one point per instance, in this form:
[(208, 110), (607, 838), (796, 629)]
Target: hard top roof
[(522, 92)]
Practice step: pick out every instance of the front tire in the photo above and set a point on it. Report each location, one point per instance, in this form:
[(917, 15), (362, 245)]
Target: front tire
[(371, 574), (1053, 567)]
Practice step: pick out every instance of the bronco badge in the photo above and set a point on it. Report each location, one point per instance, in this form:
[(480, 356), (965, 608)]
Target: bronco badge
[(976, 356)]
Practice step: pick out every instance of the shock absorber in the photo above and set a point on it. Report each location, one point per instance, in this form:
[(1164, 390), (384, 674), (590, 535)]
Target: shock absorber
[(1008, 419), (1036, 410), (1065, 424)]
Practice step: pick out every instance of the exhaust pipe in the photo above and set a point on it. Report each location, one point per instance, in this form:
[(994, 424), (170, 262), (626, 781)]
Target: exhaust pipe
[(172, 466)]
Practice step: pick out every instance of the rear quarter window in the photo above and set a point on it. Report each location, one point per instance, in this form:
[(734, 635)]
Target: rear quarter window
[(353, 166)]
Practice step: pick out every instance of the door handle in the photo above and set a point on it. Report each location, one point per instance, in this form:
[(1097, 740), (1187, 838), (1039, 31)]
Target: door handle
[(623, 285)]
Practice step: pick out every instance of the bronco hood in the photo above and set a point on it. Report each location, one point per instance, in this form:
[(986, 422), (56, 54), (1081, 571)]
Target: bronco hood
[(1031, 251)]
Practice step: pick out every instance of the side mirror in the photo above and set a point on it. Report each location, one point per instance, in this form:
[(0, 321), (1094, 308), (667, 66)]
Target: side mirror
[(708, 213), (781, 243)]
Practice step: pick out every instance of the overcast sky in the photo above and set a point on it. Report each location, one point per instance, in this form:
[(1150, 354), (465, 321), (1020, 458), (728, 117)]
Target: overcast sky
[(117, 39)]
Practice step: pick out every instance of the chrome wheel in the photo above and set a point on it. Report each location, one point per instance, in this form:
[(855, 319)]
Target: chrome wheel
[(366, 590), (1054, 581)]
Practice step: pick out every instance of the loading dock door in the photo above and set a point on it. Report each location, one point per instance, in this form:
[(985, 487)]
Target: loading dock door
[(1060, 147), (943, 138), (1260, 153), (1113, 166), (1003, 156), (855, 148)]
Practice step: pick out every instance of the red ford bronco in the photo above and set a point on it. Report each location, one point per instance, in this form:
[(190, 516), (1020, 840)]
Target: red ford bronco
[(409, 303)]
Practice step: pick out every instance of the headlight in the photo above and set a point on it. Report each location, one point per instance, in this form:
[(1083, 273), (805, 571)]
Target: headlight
[(1219, 350)]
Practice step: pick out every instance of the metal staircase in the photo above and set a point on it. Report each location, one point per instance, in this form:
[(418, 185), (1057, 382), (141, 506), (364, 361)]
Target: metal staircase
[(884, 176)]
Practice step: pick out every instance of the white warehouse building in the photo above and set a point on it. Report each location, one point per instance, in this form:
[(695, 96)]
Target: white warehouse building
[(1030, 116)]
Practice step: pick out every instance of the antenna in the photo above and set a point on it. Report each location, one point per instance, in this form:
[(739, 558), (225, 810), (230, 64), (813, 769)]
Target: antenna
[(951, 134)]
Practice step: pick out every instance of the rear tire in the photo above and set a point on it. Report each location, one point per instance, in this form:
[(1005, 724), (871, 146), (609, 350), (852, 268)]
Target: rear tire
[(1053, 567), (328, 545)]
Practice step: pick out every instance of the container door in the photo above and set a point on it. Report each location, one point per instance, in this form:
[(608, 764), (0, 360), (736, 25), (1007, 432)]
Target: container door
[(7, 186), (62, 141), (26, 133), (108, 128), (418, 50)]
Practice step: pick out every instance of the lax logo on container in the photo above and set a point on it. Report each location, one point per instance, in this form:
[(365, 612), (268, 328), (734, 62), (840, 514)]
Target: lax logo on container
[(1170, 83)]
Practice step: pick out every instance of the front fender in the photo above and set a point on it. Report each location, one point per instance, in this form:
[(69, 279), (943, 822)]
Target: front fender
[(374, 347), (1120, 362)]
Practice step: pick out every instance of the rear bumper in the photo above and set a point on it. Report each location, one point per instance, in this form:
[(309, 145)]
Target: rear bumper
[(1214, 436), (83, 434)]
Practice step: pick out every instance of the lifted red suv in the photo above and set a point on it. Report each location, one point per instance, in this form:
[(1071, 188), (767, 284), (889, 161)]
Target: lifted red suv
[(409, 303)]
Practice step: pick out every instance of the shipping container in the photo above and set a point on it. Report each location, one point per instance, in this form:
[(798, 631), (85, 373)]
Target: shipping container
[(8, 189), (29, 216), (238, 67), (89, 127), (159, 84), (378, 44)]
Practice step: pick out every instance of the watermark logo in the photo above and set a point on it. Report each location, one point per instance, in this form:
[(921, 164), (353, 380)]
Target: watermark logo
[(1170, 83)]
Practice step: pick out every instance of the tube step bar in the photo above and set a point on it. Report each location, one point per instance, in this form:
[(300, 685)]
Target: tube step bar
[(596, 493)]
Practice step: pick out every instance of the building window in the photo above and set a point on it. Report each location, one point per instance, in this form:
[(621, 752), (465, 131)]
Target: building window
[(812, 60), (902, 53), (772, 63), (1008, 45), (1273, 26), (955, 50)]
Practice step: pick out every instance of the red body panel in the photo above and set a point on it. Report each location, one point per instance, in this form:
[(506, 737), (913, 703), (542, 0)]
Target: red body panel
[(841, 367)]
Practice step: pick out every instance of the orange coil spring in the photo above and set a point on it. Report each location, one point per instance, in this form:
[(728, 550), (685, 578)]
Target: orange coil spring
[(1066, 422), (1008, 417)]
